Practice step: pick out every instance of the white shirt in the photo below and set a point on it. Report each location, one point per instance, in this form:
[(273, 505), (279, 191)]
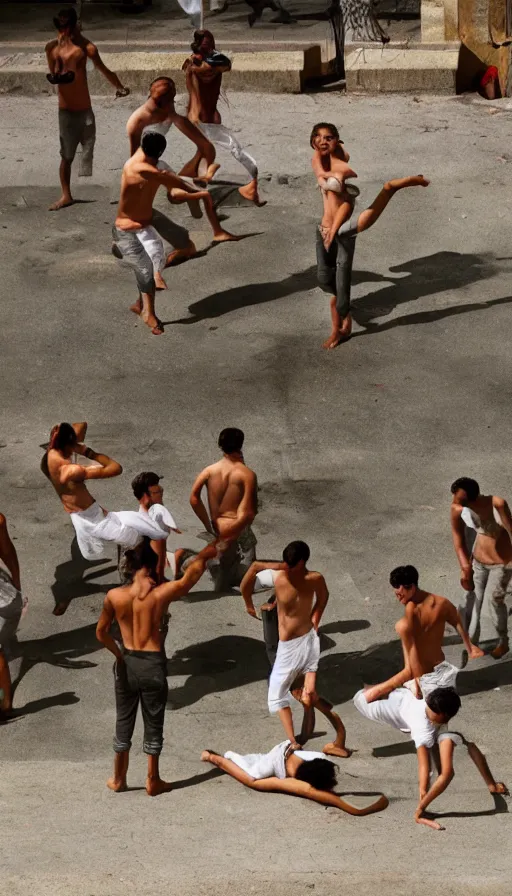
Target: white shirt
[(403, 711)]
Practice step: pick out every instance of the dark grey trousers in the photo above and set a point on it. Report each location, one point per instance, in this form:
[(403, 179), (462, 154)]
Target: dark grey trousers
[(334, 266), (141, 678), (134, 254)]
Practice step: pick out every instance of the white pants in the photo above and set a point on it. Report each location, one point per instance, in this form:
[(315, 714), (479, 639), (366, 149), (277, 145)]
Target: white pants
[(95, 526), (271, 764), (293, 658), (220, 136), (444, 675), (152, 242)]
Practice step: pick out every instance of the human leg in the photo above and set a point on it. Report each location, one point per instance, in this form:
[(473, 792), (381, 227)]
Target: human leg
[(87, 141), (337, 746), (135, 255), (5, 685), (69, 135), (127, 702), (152, 675), (284, 673), (326, 268), (499, 582), (483, 767), (152, 243), (220, 135), (480, 579), (370, 215), (219, 234)]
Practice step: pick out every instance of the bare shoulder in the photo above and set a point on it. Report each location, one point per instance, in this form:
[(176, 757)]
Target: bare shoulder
[(3, 521), (87, 45), (455, 511), (51, 45), (316, 578), (498, 502)]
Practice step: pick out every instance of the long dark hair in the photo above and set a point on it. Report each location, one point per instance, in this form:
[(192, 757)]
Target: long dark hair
[(62, 436)]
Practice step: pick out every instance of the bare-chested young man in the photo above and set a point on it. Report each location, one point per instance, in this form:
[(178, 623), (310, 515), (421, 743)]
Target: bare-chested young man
[(67, 60), (93, 525), (142, 175), (335, 245), (489, 568), (204, 70), (140, 671), (421, 630), (263, 574), (301, 596), (232, 506)]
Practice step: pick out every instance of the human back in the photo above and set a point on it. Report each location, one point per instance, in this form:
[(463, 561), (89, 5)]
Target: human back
[(226, 485), (139, 612), (428, 619), (137, 193), (295, 595)]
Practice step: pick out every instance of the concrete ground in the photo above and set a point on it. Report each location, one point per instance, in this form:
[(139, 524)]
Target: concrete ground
[(355, 451)]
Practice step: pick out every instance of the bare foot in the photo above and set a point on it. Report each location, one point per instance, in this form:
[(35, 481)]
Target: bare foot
[(335, 339), (429, 823), (155, 325), (225, 237), (500, 650), (401, 182), (334, 750), (116, 784), (180, 255), (203, 179), (250, 192), (159, 281), (136, 307), (63, 202), (499, 787), (155, 786)]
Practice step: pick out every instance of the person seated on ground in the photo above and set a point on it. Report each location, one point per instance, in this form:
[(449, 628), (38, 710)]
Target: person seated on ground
[(422, 719), (300, 773), (488, 83)]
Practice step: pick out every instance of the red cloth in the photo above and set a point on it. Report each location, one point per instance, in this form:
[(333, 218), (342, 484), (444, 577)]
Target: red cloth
[(490, 75)]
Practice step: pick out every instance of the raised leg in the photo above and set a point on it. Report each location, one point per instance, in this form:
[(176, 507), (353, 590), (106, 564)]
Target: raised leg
[(370, 216)]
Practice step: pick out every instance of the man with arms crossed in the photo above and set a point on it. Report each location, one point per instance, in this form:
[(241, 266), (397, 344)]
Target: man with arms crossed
[(142, 175), (232, 506), (422, 718), (421, 630), (140, 671), (67, 60), (490, 566)]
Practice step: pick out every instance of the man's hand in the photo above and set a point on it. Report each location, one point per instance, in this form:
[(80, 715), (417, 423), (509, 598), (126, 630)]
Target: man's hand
[(476, 652), (251, 610), (124, 91), (372, 693), (429, 822), (466, 579)]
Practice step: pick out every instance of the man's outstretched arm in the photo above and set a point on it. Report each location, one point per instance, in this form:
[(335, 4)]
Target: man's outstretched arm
[(446, 748), (93, 54), (249, 580), (169, 591), (453, 619)]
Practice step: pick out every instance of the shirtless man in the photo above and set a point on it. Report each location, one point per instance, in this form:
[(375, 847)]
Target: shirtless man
[(301, 596), (140, 671), (233, 504), (421, 630), (422, 719), (93, 525), (490, 567), (203, 71), (133, 234), (148, 491), (334, 263), (67, 60), (263, 574), (11, 608)]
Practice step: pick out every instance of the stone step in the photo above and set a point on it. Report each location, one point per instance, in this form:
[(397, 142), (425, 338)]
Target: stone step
[(407, 70)]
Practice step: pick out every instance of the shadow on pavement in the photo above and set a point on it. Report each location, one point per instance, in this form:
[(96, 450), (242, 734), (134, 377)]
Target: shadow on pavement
[(73, 578)]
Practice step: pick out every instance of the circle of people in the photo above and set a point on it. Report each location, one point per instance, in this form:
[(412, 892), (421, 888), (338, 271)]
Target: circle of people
[(421, 699)]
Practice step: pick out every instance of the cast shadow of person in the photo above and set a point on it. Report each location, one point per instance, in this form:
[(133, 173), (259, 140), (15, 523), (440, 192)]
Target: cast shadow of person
[(430, 274), (247, 295), (222, 664), (64, 650), (73, 579)]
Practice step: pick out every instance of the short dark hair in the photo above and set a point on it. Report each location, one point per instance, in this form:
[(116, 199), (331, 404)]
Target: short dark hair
[(470, 486), (153, 144), (404, 575), (162, 78), (295, 552), (231, 440), (323, 125), (141, 557), (320, 773), (142, 483), (444, 702), (70, 18)]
